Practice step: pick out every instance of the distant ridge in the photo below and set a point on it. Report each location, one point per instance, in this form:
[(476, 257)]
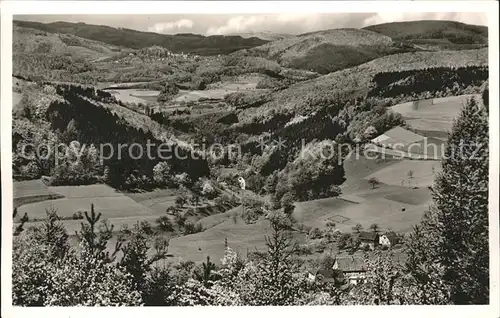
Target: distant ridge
[(265, 35), (186, 42), (436, 34)]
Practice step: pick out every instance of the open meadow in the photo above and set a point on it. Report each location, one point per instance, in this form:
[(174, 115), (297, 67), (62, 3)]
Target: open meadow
[(114, 206), (438, 115), (133, 95), (32, 191)]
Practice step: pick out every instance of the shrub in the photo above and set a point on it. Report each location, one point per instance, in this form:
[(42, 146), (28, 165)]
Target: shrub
[(315, 233), (304, 249), (252, 209), (78, 215), (208, 190), (180, 219), (190, 228)]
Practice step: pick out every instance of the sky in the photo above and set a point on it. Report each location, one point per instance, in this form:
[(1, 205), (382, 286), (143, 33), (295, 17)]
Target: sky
[(224, 24)]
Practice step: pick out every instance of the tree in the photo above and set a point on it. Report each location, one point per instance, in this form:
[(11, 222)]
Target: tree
[(173, 210), (273, 281), (369, 132), (180, 201), (162, 172), (375, 227), (195, 199), (384, 284), (52, 233), (374, 182), (20, 228), (358, 227), (460, 196), (135, 259), (77, 279), (71, 132), (164, 223), (410, 174), (485, 94), (344, 241), (287, 203), (425, 284), (180, 219), (97, 235), (206, 273)]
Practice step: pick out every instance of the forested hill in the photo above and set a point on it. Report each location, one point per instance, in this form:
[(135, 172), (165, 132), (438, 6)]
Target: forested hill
[(187, 42), (435, 34)]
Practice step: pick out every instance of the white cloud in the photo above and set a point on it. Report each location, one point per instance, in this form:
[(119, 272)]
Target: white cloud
[(259, 23), (171, 27)]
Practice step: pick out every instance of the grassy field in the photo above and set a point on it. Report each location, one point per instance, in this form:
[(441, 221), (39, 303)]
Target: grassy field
[(437, 116), (113, 205), (32, 191), (424, 172), (135, 95), (240, 236), (382, 206)]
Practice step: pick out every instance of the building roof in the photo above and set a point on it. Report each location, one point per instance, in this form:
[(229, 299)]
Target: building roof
[(367, 236), (397, 136), (351, 264), (326, 273)]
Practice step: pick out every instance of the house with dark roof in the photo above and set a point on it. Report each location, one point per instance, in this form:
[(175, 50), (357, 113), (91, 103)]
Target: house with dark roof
[(369, 239), (353, 268)]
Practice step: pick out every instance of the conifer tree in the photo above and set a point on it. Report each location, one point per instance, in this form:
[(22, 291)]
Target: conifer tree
[(449, 249), (461, 198)]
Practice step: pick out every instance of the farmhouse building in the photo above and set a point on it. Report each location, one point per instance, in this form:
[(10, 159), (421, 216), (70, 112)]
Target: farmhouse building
[(388, 239), (353, 268), (369, 239)]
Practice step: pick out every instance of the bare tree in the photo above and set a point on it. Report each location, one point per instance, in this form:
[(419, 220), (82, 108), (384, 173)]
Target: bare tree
[(374, 182), (358, 227), (375, 227)]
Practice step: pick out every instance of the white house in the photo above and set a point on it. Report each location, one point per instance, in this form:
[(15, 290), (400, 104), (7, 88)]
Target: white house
[(388, 239), (242, 183)]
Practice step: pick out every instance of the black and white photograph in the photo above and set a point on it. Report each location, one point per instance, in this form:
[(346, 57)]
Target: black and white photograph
[(332, 158)]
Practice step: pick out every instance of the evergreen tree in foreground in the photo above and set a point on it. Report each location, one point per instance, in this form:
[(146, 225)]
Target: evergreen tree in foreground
[(461, 200), (447, 252)]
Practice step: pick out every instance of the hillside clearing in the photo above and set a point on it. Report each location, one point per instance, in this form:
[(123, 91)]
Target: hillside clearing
[(433, 115), (382, 206), (112, 204)]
